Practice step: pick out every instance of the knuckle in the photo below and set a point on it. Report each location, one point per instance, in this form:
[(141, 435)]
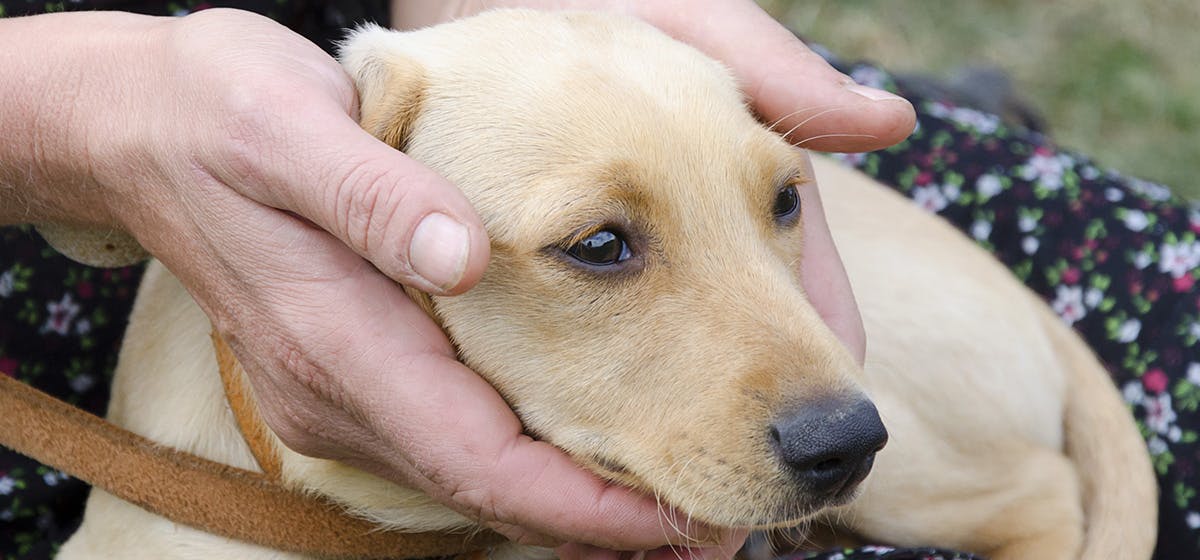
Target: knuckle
[(477, 504), (304, 400), (366, 199), (246, 126)]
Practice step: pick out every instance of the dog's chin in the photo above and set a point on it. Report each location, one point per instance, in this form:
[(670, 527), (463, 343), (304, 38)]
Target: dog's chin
[(800, 511), (795, 509)]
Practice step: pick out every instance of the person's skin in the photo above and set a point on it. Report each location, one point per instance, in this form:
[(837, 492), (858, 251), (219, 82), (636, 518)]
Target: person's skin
[(228, 146)]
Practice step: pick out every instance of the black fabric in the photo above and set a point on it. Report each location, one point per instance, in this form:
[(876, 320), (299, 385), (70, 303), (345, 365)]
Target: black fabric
[(321, 22)]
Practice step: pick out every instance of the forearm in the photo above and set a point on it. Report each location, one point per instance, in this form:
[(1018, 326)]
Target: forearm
[(56, 72)]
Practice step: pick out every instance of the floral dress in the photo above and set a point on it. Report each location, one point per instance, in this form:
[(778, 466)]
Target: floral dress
[(1116, 257)]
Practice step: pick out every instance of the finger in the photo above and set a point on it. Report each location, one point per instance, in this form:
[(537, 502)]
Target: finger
[(579, 551), (790, 86), (721, 551), (411, 223), (824, 277)]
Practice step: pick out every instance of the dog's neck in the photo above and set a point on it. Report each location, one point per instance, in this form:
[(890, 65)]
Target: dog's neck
[(190, 490)]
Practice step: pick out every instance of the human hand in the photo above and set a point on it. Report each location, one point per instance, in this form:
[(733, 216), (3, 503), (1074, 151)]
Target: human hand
[(229, 147)]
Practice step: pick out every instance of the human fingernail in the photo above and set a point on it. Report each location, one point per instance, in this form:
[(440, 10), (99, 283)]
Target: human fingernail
[(439, 249), (872, 93)]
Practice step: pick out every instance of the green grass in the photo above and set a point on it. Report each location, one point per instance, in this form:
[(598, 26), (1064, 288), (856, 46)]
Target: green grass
[(1115, 79)]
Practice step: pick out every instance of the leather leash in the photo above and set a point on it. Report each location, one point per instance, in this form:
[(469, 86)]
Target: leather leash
[(190, 490)]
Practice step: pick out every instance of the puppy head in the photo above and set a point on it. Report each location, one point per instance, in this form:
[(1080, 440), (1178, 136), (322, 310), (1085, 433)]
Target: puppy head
[(642, 309)]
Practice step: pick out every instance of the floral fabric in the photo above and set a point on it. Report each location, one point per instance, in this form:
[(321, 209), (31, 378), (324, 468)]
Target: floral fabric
[(60, 328), (1116, 257)]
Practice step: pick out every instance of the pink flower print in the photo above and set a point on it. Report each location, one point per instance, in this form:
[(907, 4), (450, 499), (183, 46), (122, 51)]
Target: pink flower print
[(8, 366), (85, 289), (1184, 283), (62, 313), (1071, 276), (1179, 259), (1046, 169), (1155, 381), (1159, 414), (1068, 303), (930, 198)]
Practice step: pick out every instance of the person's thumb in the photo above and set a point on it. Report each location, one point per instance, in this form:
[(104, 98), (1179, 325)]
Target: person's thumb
[(411, 223), (791, 88)]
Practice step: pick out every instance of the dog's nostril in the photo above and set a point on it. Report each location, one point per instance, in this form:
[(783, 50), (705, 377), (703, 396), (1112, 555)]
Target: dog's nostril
[(828, 465)]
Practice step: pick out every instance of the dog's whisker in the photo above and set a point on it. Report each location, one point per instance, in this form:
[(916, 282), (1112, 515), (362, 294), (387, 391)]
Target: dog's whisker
[(696, 488), (833, 135), (832, 109), (668, 514), (665, 516), (776, 122)]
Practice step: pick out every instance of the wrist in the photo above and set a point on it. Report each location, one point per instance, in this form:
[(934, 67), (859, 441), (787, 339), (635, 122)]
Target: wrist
[(67, 80)]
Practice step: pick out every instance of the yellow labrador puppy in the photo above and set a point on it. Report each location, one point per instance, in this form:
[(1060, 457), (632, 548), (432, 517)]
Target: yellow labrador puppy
[(642, 312)]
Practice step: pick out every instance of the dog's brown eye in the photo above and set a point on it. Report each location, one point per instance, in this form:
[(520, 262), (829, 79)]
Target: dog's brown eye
[(602, 248), (787, 205)]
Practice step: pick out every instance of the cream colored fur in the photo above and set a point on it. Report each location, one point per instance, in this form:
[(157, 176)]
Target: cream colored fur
[(666, 377)]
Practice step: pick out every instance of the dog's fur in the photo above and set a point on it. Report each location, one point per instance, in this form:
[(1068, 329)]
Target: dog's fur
[(1007, 438)]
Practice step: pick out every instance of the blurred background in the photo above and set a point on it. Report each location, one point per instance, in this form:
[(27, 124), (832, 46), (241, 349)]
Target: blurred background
[(1118, 80)]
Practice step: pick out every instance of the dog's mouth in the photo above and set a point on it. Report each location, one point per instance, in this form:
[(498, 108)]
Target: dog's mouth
[(795, 511)]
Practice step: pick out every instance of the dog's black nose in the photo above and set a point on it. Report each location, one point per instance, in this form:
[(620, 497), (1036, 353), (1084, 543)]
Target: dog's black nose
[(830, 446)]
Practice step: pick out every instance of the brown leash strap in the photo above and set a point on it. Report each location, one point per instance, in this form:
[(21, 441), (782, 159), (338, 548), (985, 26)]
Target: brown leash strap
[(194, 491)]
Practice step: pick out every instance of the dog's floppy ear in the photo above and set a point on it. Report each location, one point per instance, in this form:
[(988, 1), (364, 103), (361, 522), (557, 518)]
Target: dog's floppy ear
[(390, 83), (390, 86)]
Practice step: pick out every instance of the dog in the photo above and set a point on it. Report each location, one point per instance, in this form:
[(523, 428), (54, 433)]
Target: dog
[(642, 312)]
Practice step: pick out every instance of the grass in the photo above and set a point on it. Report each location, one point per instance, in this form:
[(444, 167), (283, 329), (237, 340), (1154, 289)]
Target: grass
[(1117, 80)]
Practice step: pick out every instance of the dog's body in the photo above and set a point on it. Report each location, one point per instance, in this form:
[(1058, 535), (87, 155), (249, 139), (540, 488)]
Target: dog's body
[(1004, 430)]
